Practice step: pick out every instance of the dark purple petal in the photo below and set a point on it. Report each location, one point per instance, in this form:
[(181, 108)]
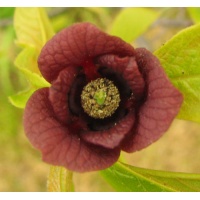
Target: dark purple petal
[(162, 104), (59, 93), (127, 68), (58, 145), (74, 45), (112, 137)]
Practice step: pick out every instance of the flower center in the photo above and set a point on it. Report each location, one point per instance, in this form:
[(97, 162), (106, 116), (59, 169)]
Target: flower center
[(100, 98)]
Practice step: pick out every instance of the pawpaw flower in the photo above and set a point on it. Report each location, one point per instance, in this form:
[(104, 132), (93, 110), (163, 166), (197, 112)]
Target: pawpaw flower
[(105, 97)]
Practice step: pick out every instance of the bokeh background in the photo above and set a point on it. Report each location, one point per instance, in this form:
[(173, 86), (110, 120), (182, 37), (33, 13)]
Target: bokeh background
[(21, 168)]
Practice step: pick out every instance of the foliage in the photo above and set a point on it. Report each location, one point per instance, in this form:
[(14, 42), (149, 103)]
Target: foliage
[(133, 179), (33, 29), (180, 59)]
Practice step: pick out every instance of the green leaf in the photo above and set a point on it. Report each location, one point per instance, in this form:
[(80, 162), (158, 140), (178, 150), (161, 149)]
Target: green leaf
[(32, 27), (60, 180), (194, 14), (132, 22), (26, 62), (128, 178), (35, 80), (19, 100), (27, 59), (180, 58), (24, 59)]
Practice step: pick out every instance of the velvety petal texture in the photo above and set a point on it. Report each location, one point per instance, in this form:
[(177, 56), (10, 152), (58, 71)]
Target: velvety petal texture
[(111, 138), (55, 121), (73, 45), (162, 103), (56, 142), (128, 69), (58, 91)]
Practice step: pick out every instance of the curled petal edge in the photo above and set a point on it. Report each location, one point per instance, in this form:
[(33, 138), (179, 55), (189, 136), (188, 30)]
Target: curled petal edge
[(57, 144), (162, 104), (74, 45)]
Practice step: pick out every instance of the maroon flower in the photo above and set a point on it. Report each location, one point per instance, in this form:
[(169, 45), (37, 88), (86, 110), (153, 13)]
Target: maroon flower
[(105, 96)]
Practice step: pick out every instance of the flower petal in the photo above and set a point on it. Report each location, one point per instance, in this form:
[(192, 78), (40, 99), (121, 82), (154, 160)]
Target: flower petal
[(59, 93), (57, 144), (162, 104), (112, 137), (128, 69), (73, 45)]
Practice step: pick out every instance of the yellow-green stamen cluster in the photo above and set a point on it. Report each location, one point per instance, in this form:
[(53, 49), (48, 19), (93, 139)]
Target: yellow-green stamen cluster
[(100, 98)]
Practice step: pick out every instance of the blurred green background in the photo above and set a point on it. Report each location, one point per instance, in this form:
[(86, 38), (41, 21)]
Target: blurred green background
[(21, 168)]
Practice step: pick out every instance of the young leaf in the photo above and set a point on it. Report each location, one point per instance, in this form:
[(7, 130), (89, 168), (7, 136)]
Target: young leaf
[(19, 100), (34, 79), (127, 178), (27, 59), (32, 27), (194, 14), (33, 30), (26, 62), (132, 22), (180, 58), (60, 180)]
